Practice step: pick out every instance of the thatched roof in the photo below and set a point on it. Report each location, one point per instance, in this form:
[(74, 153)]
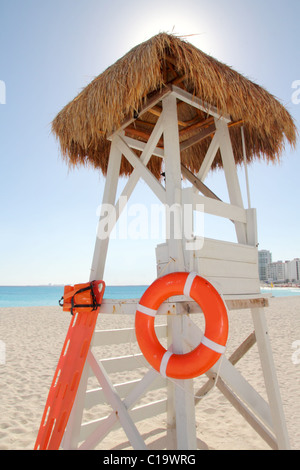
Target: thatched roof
[(124, 88)]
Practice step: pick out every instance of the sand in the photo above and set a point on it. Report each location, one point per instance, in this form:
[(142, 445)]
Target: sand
[(31, 340)]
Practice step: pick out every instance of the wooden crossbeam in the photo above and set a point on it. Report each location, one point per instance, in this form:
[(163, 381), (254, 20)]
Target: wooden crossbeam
[(234, 358), (203, 134), (148, 149), (231, 177), (250, 417), (135, 132), (195, 139), (209, 158), (157, 110), (108, 423), (198, 124), (117, 404), (143, 171), (138, 145), (243, 349), (199, 104), (233, 379), (179, 79), (150, 103), (197, 183)]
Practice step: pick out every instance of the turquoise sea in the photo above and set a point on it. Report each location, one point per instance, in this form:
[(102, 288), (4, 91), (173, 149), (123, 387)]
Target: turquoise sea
[(28, 296), (281, 291)]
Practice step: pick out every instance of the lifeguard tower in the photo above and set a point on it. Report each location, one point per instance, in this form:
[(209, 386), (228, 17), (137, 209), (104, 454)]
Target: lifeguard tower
[(163, 113)]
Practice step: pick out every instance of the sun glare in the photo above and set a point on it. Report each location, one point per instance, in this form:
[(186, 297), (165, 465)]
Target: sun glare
[(180, 23)]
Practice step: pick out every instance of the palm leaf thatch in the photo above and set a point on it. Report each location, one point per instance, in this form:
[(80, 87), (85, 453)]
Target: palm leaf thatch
[(123, 89)]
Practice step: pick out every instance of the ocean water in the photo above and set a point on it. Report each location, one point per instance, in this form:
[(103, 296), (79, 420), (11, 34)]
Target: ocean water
[(281, 291), (30, 296)]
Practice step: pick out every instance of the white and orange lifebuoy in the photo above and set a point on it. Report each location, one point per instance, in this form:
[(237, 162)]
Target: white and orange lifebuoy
[(213, 343)]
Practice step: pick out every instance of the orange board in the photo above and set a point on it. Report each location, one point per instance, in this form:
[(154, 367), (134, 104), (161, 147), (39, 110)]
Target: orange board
[(85, 306)]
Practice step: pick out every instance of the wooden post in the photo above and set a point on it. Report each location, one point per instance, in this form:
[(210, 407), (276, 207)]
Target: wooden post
[(246, 166), (72, 433), (183, 396), (269, 372), (109, 197), (232, 181)]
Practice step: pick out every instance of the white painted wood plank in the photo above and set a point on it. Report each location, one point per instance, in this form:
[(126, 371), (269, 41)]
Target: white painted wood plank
[(112, 179), (229, 168), (109, 337), (227, 286), (105, 426), (109, 196), (246, 167), (138, 145), (173, 182), (149, 410), (225, 268), (96, 396), (182, 306), (251, 227), (196, 102), (150, 104), (270, 377), (97, 272), (233, 286), (219, 208), (93, 432), (124, 335), (216, 249), (124, 363), (249, 416), (137, 414), (234, 379), (133, 179), (239, 385), (209, 158), (181, 402), (129, 306), (142, 170), (126, 421)]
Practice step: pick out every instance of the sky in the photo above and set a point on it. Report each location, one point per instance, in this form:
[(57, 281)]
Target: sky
[(49, 51)]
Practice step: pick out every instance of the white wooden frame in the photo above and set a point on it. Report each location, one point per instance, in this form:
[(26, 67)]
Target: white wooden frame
[(266, 417)]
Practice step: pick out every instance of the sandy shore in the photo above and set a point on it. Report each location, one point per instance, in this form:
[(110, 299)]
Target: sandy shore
[(32, 338)]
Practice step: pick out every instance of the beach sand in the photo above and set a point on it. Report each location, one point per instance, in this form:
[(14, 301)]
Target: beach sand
[(31, 340)]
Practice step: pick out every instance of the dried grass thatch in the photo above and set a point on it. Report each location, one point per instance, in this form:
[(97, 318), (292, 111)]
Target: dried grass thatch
[(123, 89)]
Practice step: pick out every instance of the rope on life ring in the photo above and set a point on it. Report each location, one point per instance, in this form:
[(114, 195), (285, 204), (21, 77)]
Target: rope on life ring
[(213, 343)]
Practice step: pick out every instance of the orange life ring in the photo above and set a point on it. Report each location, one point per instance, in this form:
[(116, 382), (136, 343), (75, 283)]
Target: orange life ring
[(213, 343)]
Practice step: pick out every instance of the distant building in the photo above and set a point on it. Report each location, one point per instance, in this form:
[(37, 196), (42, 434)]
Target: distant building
[(292, 269), (264, 259), (276, 271)]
